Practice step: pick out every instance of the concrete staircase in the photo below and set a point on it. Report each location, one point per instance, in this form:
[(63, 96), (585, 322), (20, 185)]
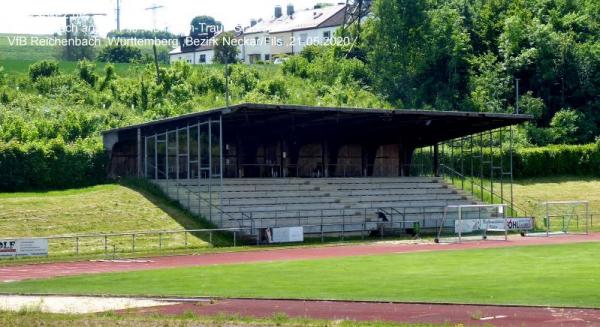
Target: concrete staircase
[(328, 205)]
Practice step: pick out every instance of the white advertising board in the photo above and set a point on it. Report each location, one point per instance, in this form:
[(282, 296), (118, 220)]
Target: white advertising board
[(513, 224), (287, 234), (24, 248)]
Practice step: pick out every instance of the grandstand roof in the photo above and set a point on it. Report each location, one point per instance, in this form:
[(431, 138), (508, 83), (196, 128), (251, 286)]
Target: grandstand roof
[(424, 126)]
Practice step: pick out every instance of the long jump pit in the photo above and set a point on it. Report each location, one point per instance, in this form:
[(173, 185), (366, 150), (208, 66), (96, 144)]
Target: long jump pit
[(75, 304)]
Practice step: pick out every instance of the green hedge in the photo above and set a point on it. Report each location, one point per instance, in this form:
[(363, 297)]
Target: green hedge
[(55, 165), (558, 160), (51, 165), (553, 160)]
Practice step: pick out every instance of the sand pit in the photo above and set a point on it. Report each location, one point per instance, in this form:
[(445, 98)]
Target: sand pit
[(74, 304)]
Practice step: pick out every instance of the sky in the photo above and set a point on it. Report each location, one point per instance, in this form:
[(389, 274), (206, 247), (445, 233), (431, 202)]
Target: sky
[(15, 15)]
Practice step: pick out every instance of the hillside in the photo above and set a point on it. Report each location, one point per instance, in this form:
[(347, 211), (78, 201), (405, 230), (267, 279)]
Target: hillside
[(529, 193), (10, 50), (94, 210), (17, 59), (26, 53)]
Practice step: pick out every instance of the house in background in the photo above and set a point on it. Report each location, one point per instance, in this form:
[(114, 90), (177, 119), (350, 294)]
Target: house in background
[(198, 56), (296, 30), (195, 55), (284, 34)]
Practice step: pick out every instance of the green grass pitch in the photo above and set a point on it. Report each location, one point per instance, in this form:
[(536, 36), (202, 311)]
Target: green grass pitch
[(557, 275)]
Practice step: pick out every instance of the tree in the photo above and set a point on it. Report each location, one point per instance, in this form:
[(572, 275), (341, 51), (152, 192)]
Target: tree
[(205, 27), (120, 53), (397, 37), (442, 80), (142, 34), (81, 44), (226, 50), (570, 126), (532, 105), (489, 84), (419, 53)]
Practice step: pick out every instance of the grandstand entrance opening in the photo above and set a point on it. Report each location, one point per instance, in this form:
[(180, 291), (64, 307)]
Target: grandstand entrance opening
[(561, 218)]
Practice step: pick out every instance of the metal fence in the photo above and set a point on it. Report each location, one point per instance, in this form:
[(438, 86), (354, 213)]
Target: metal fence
[(139, 242)]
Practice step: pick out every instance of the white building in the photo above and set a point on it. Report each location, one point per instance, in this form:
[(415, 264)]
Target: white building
[(198, 56), (284, 34)]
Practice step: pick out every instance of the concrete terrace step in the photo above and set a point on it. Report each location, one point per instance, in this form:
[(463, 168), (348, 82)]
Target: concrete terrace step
[(304, 190), (305, 181), (333, 193), (336, 200), (327, 215), (327, 198), (315, 188), (290, 202), (289, 211)]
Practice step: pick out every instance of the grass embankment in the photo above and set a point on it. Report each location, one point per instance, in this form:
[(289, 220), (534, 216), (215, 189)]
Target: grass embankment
[(100, 209), (558, 275), (530, 193)]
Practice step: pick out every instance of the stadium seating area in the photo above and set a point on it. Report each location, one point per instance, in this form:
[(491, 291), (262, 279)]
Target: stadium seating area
[(320, 204)]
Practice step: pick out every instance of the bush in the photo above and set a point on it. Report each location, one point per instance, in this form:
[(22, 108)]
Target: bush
[(120, 53), (311, 52), (87, 72), (178, 73), (208, 80), (5, 96), (296, 66), (351, 70), (274, 88), (51, 165), (244, 77), (43, 69), (558, 160), (570, 127), (109, 75), (2, 76), (69, 88)]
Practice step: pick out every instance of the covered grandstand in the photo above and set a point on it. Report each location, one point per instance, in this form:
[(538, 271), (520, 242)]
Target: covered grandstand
[(329, 170)]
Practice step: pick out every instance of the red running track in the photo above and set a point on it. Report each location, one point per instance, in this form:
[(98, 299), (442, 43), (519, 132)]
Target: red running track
[(49, 270), (468, 315)]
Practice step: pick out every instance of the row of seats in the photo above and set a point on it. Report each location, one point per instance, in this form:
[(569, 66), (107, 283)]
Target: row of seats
[(338, 203)]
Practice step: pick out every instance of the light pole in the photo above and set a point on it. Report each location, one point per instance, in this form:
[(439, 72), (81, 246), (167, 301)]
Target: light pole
[(227, 83), (517, 94)]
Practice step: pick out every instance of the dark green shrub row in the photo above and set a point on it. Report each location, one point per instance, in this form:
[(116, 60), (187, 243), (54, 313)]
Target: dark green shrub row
[(553, 160), (51, 165), (558, 160)]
